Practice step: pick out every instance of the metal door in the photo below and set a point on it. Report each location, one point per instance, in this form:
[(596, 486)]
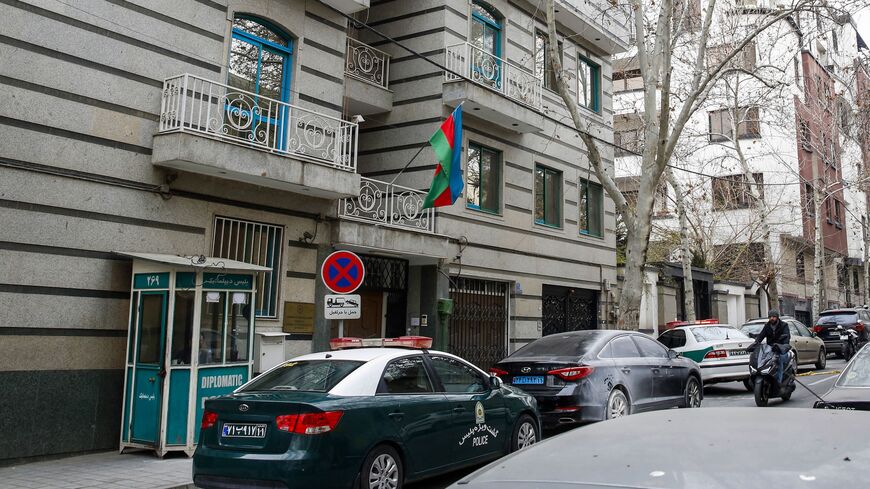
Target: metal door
[(149, 368), (478, 327), (567, 309)]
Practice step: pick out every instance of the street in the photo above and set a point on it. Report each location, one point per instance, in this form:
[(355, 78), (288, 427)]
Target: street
[(731, 394)]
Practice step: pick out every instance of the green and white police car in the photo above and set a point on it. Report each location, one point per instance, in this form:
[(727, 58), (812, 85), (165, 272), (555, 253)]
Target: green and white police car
[(719, 349), (367, 417)]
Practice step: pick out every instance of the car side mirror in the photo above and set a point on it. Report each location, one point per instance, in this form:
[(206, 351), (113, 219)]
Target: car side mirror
[(672, 354), (495, 382)]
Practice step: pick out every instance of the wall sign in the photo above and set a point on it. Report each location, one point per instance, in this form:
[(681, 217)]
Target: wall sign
[(298, 318), (151, 280), (227, 281), (342, 306)]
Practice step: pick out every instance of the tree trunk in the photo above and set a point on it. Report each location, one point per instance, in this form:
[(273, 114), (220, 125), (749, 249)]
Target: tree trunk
[(632, 285), (819, 255), (685, 248), (866, 259)]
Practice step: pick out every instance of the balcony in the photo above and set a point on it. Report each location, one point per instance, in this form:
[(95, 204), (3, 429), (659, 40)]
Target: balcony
[(348, 6), (486, 82), (211, 128), (368, 77), (380, 218), (603, 23)]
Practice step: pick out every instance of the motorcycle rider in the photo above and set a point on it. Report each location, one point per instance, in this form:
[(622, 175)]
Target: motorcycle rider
[(776, 332)]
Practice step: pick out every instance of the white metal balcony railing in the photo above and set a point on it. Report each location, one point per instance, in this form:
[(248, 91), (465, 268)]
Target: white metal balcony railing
[(194, 104), (493, 72), (390, 205), (367, 63)]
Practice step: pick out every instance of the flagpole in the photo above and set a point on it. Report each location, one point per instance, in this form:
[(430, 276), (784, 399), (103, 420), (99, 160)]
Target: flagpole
[(418, 152)]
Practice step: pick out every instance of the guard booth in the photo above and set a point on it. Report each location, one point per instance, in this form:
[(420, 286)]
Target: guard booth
[(191, 331)]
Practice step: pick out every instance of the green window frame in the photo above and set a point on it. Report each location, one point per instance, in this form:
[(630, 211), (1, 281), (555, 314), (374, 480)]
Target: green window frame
[(548, 196), (588, 83), (483, 179), (591, 204)]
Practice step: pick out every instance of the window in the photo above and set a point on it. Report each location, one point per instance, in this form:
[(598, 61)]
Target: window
[(628, 141), (238, 328), (405, 376), (799, 266), (457, 377), (591, 205), (717, 333), (211, 327), (734, 191), (543, 69), (806, 137), (837, 206), (649, 348), (310, 376), (484, 179), (257, 244), (589, 84), (721, 124), (548, 196), (675, 338), (828, 213), (623, 347), (486, 37), (809, 203), (802, 330), (182, 327), (744, 60)]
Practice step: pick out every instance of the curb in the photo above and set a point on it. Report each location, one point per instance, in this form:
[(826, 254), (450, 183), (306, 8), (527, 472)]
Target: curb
[(809, 374)]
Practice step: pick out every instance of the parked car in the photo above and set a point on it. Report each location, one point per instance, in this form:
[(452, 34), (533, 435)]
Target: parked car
[(853, 318), (719, 349), (715, 448), (585, 376), (809, 348), (851, 391), (362, 417)]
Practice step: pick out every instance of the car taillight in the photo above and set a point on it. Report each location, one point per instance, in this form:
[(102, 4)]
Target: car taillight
[(817, 329), (572, 373), (716, 354), (309, 423), (209, 418), (497, 372)]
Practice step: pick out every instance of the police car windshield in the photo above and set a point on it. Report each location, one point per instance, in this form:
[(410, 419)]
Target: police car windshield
[(716, 333), (310, 376)]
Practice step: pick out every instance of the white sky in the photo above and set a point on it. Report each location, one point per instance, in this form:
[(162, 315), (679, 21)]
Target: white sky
[(862, 20)]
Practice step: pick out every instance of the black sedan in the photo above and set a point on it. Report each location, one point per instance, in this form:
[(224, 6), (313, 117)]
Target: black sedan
[(585, 376), (851, 391)]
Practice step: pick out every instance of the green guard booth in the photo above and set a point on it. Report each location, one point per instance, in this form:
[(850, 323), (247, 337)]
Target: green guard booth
[(190, 338)]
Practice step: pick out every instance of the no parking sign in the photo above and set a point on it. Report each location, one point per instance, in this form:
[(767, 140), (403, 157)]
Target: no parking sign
[(342, 272)]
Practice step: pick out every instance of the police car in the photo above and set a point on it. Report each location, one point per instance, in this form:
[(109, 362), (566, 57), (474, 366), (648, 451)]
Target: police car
[(719, 349), (369, 414)]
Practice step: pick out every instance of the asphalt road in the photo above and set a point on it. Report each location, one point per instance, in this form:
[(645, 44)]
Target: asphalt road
[(731, 394)]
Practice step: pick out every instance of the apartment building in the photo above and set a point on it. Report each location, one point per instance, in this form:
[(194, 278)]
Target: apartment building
[(779, 113), (262, 135)]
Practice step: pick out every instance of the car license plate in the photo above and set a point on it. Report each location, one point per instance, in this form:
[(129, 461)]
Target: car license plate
[(738, 353), (244, 430), (529, 379)]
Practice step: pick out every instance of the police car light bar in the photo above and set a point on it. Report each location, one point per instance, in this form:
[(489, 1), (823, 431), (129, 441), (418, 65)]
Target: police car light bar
[(400, 342)]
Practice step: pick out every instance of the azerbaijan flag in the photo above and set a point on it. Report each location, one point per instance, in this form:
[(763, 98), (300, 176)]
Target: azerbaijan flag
[(447, 143)]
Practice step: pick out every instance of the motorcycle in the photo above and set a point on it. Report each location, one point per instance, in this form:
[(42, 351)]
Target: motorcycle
[(849, 338), (763, 365)]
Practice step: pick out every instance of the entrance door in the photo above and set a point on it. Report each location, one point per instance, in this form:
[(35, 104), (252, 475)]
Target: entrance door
[(149, 366), (567, 309), (371, 321), (478, 327)]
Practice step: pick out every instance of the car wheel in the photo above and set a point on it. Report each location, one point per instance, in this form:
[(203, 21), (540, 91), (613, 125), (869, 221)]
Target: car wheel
[(382, 469), (747, 383), (693, 393), (822, 360), (617, 405), (525, 433)]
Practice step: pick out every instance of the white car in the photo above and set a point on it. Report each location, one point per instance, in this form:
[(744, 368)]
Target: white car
[(719, 349)]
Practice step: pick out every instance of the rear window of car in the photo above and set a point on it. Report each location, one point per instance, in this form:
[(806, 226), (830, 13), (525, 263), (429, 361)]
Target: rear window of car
[(857, 374), (310, 376), (558, 345), (838, 317), (716, 333), (752, 328)]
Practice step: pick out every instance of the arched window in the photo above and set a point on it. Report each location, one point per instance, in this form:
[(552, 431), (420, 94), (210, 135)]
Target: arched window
[(260, 59), (486, 39)]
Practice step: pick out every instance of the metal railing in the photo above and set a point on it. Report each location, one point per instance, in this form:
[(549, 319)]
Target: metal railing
[(194, 104), (367, 63), (496, 73), (388, 204)]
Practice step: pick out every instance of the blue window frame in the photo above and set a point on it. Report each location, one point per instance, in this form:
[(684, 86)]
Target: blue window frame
[(261, 60), (486, 36)]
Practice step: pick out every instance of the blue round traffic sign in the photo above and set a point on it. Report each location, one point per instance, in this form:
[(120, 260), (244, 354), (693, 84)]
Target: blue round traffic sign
[(342, 272)]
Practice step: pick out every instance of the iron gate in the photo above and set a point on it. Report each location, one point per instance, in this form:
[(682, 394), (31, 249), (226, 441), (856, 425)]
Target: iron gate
[(567, 309), (478, 327)]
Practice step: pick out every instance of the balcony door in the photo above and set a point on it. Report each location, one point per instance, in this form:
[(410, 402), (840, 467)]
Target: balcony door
[(486, 45), (260, 66)]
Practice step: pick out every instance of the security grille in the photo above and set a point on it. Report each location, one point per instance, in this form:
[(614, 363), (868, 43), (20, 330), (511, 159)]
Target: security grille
[(566, 309), (387, 274), (478, 326), (258, 244)]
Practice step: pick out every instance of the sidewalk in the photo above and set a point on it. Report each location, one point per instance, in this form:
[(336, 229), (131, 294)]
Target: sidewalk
[(133, 470)]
